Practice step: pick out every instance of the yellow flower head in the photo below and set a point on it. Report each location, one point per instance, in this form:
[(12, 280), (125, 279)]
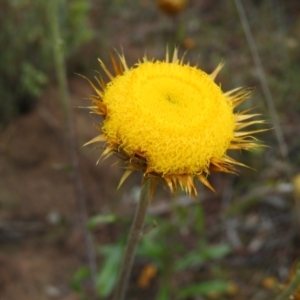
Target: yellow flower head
[(171, 120)]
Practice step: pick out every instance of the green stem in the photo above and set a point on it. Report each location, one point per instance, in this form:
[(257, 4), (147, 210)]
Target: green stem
[(60, 68), (292, 287), (59, 60), (133, 238)]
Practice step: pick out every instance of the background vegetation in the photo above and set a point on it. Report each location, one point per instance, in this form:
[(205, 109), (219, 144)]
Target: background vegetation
[(238, 244)]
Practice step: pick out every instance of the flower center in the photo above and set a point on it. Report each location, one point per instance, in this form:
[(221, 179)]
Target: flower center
[(175, 114), (171, 99)]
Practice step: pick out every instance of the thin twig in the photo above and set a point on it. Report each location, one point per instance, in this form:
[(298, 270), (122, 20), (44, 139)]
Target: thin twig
[(263, 80), (135, 233), (70, 131)]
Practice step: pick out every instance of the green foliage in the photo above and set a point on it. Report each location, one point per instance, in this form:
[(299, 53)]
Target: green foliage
[(162, 246), (202, 255), (163, 293), (171, 256), (32, 79), (204, 289), (100, 219), (76, 283), (26, 49), (108, 274), (111, 254)]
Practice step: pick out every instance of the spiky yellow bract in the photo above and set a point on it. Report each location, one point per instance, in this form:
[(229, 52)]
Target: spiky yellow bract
[(171, 121)]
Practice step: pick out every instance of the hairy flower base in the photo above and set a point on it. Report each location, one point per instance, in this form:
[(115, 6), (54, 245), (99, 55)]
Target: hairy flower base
[(171, 121)]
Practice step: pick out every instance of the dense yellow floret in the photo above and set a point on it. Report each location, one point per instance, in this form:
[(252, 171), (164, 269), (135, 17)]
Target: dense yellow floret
[(175, 114)]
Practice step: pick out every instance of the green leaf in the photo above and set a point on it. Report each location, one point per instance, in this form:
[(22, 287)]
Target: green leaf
[(78, 277), (152, 249), (100, 219), (202, 255), (204, 288), (191, 259), (199, 219), (163, 293), (107, 276), (216, 251)]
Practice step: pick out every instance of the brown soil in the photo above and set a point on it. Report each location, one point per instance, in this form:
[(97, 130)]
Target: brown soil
[(41, 239)]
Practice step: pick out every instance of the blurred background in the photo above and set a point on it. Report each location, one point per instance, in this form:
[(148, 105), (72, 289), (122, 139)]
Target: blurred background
[(56, 244)]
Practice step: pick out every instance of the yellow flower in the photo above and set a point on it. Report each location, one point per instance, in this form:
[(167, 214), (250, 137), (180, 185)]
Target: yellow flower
[(171, 121)]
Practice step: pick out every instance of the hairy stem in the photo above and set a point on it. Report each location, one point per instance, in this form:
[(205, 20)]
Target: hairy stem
[(133, 238)]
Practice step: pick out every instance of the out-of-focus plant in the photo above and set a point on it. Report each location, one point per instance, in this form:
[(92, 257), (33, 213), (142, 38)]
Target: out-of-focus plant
[(172, 256), (167, 255), (107, 276), (26, 52), (171, 7)]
